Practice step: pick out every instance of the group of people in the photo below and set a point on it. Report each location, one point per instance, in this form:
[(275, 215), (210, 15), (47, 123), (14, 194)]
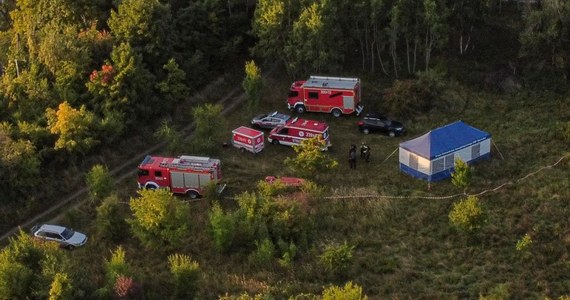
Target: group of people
[(364, 154)]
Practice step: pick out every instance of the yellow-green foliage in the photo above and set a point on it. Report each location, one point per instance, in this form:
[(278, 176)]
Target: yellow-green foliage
[(461, 177), (73, 127), (99, 182), (186, 275), (61, 287), (524, 243), (350, 291), (29, 266), (270, 189), (310, 158), (116, 266), (467, 214), (221, 227), (337, 258), (158, 217), (252, 84)]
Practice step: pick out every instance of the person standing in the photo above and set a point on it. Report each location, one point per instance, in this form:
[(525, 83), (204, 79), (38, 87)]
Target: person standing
[(365, 152), (352, 157)]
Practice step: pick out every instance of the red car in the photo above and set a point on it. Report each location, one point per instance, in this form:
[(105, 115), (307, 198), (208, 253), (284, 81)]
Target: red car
[(288, 181)]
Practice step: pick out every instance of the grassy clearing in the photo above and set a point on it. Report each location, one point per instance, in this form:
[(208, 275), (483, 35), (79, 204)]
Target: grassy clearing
[(405, 248)]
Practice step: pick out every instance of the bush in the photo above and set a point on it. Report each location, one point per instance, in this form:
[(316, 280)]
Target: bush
[(116, 266), (461, 176), (99, 182), (159, 219), (467, 215), (288, 253), (350, 291), (109, 222), (185, 272), (264, 254), (221, 227), (409, 98), (524, 243), (337, 258), (310, 158)]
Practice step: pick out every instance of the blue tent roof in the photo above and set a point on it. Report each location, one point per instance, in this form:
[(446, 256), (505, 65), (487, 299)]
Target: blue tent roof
[(445, 140)]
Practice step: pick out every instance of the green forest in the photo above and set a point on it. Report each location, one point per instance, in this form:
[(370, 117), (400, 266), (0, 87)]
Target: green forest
[(88, 86)]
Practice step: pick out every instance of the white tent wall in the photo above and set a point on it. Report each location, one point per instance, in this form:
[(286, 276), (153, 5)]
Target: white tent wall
[(414, 161), (444, 162)]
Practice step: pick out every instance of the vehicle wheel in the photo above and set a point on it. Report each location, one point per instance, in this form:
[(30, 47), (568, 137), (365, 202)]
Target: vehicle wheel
[(336, 113), (70, 247), (392, 134), (150, 187), (366, 131), (275, 142), (192, 194), (300, 109), (242, 150)]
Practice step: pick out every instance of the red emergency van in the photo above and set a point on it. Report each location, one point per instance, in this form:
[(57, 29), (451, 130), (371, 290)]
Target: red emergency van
[(297, 130), (247, 139)]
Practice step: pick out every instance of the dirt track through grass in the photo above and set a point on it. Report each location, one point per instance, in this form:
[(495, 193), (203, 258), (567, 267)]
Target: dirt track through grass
[(120, 173)]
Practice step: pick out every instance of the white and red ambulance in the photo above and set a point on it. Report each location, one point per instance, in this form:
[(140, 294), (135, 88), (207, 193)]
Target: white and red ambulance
[(247, 139), (297, 130)]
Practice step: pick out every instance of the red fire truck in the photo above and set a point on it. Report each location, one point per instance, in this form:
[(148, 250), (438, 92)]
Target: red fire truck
[(182, 175), (335, 95), (297, 130)]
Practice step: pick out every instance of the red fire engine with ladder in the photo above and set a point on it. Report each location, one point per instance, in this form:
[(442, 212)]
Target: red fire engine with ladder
[(182, 175), (335, 95)]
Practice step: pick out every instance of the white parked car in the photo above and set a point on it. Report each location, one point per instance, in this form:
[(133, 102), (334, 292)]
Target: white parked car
[(66, 237)]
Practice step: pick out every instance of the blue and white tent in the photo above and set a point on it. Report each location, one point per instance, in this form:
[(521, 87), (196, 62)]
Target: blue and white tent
[(432, 155)]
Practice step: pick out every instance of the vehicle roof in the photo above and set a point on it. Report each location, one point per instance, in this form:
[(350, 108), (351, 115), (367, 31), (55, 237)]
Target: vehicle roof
[(307, 124), (374, 116), (247, 132), (181, 162), (332, 83), (280, 115), (52, 228)]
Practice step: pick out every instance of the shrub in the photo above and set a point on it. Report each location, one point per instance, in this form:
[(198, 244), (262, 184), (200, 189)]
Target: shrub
[(524, 243), (350, 291), (99, 182), (109, 222), (270, 189), (159, 219), (461, 176), (61, 288), (310, 158), (252, 85), (116, 266), (185, 273), (288, 253), (408, 98), (264, 254), (174, 139), (337, 258), (467, 214), (126, 288), (221, 227)]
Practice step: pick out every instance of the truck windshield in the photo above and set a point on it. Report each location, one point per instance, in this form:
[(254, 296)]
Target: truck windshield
[(142, 172), (293, 94)]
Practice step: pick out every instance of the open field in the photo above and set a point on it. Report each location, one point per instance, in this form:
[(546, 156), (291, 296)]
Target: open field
[(405, 246)]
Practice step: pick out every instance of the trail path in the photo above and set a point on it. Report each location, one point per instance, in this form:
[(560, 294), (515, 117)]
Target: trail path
[(121, 172)]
